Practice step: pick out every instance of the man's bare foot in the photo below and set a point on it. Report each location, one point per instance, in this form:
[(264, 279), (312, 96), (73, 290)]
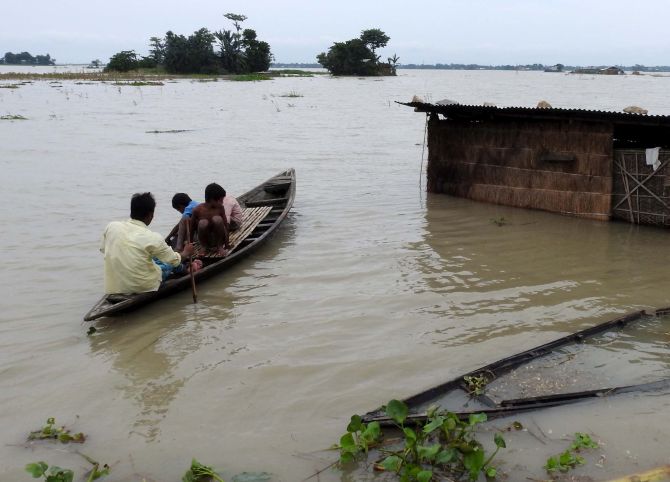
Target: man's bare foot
[(223, 252), (195, 266)]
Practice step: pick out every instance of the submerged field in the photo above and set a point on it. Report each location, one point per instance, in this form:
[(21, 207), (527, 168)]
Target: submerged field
[(370, 291)]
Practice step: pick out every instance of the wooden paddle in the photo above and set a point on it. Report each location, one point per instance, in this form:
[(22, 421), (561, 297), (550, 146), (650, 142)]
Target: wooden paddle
[(190, 268)]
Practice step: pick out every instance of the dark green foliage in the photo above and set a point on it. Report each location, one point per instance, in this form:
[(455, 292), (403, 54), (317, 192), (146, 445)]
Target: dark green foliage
[(357, 56), (52, 432), (374, 39), (570, 458), (239, 52), (123, 61), (358, 439), (200, 473), (24, 58), (444, 447), (50, 474), (192, 55)]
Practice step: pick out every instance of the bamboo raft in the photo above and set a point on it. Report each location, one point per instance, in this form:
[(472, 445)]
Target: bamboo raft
[(264, 209)]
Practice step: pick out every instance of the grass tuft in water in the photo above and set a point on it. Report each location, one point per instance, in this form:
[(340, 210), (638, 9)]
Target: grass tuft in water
[(292, 94), (13, 117), (250, 77)]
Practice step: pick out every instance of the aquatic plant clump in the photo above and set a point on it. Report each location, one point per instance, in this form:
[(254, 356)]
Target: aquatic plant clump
[(444, 446), (51, 431)]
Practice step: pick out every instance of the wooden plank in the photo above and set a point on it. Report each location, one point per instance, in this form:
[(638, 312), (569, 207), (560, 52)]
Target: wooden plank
[(251, 218)]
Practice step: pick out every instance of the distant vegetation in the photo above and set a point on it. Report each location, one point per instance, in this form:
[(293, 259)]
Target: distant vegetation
[(359, 56), (24, 58), (237, 51), (541, 67)]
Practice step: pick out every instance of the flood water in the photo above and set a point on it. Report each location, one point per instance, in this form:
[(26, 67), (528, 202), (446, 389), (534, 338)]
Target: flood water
[(371, 289)]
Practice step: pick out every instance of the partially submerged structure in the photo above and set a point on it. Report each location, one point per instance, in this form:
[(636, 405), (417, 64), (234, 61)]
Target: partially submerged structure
[(599, 71), (592, 164)]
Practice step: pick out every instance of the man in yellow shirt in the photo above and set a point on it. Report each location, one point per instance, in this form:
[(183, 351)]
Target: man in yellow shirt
[(131, 251)]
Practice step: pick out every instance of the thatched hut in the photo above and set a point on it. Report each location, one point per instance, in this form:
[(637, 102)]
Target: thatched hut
[(585, 163)]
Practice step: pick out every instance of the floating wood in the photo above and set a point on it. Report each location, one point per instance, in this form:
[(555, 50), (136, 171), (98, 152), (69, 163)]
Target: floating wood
[(500, 367)]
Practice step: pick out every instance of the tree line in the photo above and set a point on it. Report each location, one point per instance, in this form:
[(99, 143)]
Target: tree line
[(239, 51), (226, 51), (24, 58)]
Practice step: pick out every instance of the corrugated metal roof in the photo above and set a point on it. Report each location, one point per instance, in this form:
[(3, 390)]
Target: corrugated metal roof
[(481, 112)]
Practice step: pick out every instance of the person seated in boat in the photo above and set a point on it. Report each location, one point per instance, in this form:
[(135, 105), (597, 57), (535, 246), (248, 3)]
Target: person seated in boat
[(137, 259), (233, 212), (183, 203), (209, 220)]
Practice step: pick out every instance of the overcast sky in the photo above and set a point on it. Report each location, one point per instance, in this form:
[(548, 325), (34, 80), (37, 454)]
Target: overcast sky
[(575, 32)]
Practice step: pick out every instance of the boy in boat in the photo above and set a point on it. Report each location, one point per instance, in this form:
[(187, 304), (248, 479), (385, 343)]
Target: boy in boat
[(137, 260), (233, 212), (211, 222), (183, 203)]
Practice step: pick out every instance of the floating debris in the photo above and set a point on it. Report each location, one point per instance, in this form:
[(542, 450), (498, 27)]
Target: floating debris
[(171, 131), (139, 83), (13, 117)]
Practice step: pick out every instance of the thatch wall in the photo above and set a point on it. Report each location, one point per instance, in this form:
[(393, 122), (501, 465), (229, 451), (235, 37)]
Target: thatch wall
[(640, 194), (561, 166)]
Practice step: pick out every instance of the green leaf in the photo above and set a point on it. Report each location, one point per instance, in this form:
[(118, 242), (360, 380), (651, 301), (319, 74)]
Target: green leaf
[(473, 462), (499, 440), (551, 465), (517, 426), (445, 456), (397, 410), (434, 424), (347, 458), (476, 418), (64, 437), (252, 477), (355, 425), (392, 463), (424, 476), (347, 442), (372, 432), (491, 472), (188, 477), (56, 474), (410, 437), (428, 452), (37, 469)]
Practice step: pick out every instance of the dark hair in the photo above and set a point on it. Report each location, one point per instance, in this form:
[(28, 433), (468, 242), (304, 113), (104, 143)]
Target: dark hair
[(142, 205), (214, 191), (181, 199)]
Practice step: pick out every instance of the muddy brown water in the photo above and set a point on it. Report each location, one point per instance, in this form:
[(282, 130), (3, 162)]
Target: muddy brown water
[(371, 290)]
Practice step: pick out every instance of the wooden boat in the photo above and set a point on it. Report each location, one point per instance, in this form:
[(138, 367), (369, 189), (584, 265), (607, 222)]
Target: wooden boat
[(457, 395), (264, 208)]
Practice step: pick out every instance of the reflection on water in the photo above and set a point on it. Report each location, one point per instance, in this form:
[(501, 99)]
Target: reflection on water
[(149, 348), (502, 271), (366, 293)]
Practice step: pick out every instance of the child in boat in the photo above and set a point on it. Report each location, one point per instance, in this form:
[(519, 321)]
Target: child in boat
[(210, 221), (183, 203)]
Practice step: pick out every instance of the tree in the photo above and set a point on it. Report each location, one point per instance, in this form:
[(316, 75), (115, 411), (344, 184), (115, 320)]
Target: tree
[(122, 62), (257, 53), (357, 56), (241, 51), (157, 51), (374, 39)]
